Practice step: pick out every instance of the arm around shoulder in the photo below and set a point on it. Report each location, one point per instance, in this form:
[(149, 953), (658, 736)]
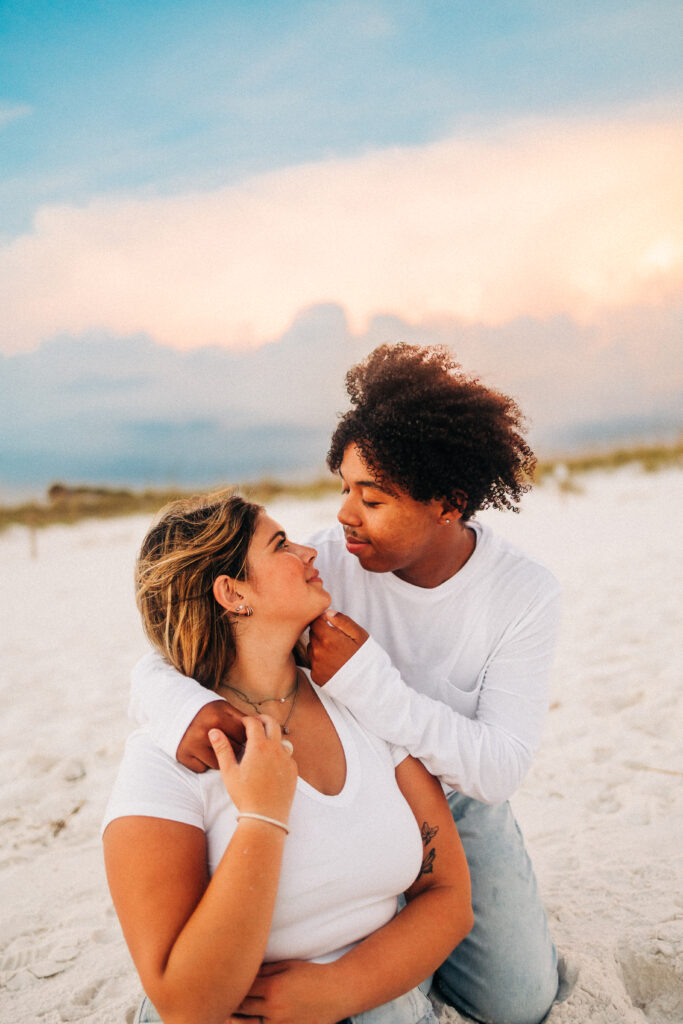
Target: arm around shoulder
[(164, 700)]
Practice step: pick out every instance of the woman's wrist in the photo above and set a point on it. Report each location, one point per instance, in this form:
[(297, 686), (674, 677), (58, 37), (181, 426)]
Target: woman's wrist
[(263, 819)]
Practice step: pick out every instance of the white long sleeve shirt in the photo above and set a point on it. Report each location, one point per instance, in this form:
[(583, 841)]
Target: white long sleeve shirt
[(457, 674)]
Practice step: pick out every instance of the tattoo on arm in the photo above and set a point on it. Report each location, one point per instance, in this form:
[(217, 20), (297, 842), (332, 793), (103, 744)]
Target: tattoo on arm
[(427, 864), (428, 834)]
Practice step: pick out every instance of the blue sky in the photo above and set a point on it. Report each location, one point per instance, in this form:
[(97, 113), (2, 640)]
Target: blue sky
[(314, 177), (109, 97)]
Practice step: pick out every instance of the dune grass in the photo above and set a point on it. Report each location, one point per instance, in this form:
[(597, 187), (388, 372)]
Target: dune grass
[(69, 504), (650, 458)]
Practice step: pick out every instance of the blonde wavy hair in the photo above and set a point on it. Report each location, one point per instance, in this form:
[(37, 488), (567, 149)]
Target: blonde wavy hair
[(191, 543)]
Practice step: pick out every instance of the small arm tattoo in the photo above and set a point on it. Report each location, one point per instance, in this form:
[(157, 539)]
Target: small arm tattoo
[(427, 833), (428, 864)]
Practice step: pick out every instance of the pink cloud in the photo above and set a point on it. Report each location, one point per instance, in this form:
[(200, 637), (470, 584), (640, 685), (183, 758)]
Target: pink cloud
[(537, 219)]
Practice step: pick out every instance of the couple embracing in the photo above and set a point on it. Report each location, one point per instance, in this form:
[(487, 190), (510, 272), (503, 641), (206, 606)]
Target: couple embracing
[(370, 768)]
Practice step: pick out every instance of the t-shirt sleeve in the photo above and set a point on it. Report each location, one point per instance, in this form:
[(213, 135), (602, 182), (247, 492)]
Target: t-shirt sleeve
[(486, 756), (398, 753), (151, 784), (165, 701)]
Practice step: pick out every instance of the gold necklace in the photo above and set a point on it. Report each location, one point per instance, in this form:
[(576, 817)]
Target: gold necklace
[(256, 704)]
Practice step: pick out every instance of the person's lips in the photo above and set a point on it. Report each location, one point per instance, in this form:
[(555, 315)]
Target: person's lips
[(355, 544), (315, 578)]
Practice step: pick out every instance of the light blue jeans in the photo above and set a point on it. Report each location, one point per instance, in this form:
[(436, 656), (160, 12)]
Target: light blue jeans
[(505, 971), (412, 1008)]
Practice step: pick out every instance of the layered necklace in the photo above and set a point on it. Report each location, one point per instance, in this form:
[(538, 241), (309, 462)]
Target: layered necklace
[(257, 704)]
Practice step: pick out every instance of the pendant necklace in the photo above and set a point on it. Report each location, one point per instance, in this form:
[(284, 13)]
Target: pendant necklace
[(256, 704)]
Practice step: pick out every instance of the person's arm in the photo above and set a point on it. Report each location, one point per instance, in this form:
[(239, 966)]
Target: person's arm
[(485, 757), (197, 944), (167, 704), (398, 956)]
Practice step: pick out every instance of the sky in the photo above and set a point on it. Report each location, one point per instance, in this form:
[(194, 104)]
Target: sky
[(208, 209)]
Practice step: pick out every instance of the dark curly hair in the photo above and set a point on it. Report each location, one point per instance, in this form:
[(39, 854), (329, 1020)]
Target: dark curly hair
[(424, 426)]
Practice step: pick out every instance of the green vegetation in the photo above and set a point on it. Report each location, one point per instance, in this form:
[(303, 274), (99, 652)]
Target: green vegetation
[(66, 504), (650, 457)]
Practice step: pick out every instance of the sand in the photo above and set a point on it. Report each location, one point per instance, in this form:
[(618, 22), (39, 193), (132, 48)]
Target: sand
[(601, 808)]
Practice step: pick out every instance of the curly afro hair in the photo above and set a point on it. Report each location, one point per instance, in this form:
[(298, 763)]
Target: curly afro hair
[(422, 425)]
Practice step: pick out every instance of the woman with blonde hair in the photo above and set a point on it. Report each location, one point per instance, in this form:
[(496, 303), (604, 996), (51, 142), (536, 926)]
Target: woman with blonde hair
[(269, 890)]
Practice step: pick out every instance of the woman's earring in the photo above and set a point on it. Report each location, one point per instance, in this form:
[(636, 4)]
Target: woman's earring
[(245, 610)]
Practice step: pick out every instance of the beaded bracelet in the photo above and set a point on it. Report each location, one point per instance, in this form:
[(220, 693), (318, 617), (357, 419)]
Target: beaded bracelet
[(262, 817)]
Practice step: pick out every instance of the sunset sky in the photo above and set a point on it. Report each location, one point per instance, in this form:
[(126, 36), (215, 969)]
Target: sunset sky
[(501, 176)]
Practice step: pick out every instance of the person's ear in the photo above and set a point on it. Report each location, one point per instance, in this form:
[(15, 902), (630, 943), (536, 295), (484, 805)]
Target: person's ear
[(452, 508), (227, 595)]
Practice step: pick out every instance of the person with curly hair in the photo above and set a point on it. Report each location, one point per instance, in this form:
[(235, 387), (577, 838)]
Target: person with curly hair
[(445, 645)]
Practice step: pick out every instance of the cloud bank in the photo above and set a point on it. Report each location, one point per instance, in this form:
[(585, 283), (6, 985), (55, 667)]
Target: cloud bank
[(541, 219), (128, 410)]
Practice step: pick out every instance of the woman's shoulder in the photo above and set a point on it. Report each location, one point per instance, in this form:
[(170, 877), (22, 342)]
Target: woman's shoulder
[(149, 783)]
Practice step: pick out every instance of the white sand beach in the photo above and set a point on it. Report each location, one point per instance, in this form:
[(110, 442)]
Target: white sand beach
[(601, 809)]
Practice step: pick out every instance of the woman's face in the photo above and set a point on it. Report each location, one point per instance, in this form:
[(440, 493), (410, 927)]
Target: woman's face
[(283, 583)]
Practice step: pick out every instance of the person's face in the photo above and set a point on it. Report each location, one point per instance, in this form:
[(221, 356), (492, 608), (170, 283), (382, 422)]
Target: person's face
[(386, 532), (283, 584)]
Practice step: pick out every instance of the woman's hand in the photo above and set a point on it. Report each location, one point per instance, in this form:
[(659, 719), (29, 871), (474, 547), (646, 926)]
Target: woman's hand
[(264, 781), (291, 992)]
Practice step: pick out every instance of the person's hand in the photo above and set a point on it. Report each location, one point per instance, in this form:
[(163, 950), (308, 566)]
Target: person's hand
[(264, 781), (333, 639), (291, 992), (194, 750)]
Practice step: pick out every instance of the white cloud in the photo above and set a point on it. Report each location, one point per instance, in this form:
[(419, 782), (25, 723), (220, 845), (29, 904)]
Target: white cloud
[(537, 219), (12, 112)]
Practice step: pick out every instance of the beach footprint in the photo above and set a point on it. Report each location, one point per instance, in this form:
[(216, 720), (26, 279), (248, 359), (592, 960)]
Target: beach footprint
[(652, 970)]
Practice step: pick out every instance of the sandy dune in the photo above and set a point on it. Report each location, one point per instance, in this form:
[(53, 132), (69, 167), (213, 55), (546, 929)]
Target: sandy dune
[(601, 809)]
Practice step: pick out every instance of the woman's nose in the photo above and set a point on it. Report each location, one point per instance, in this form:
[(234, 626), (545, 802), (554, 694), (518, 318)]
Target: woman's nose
[(307, 553)]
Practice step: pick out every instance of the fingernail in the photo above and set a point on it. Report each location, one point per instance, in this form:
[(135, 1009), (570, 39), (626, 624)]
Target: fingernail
[(214, 735), (331, 612)]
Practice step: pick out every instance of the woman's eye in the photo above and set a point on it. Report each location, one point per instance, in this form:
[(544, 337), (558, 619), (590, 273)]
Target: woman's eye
[(345, 490), (371, 504), (284, 543)]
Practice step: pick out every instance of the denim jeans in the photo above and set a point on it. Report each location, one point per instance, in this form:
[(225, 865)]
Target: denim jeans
[(411, 1008), (505, 971)]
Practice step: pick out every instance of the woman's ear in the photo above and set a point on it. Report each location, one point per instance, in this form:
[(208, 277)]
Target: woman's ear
[(225, 592)]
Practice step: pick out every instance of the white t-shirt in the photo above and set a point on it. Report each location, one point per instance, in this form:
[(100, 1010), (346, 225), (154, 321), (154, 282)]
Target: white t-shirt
[(457, 674), (346, 859)]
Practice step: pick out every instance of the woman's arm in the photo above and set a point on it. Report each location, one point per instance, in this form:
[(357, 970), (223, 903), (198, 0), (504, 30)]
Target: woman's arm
[(398, 956), (197, 946)]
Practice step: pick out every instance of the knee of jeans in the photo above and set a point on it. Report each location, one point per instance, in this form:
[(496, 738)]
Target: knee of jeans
[(527, 1003), (530, 1006)]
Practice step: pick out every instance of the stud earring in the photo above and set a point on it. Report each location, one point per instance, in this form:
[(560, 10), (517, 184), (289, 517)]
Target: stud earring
[(245, 610), (448, 521)]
